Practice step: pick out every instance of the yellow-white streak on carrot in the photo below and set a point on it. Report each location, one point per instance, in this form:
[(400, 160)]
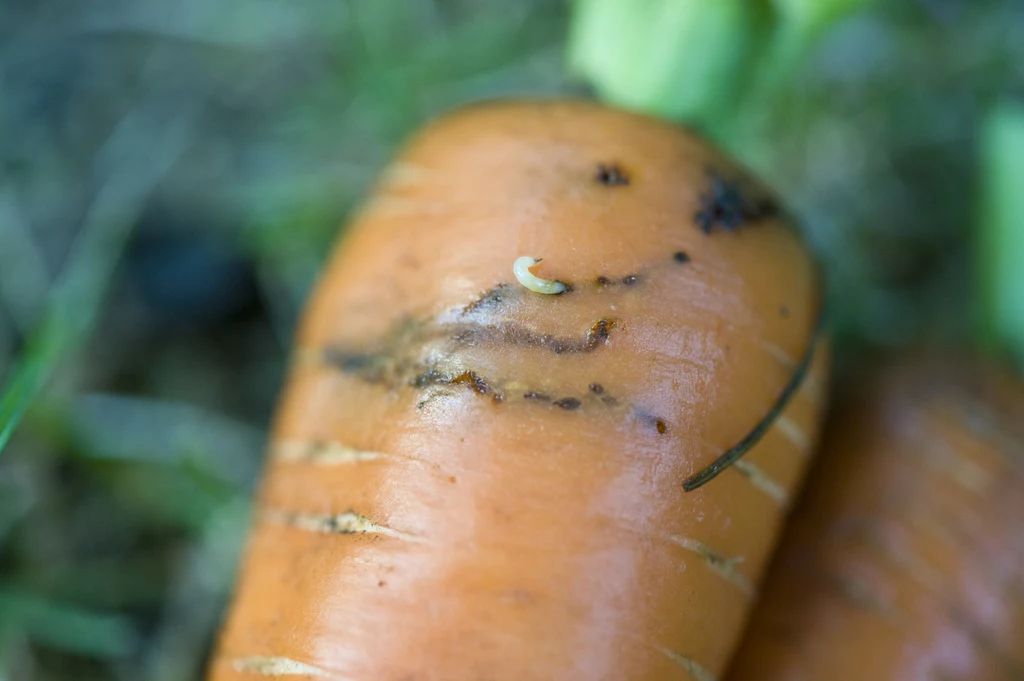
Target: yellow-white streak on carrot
[(521, 268), (919, 571), (323, 453), (860, 595), (810, 389), (920, 519), (696, 670), (722, 566), (344, 523), (964, 472), (281, 666), (794, 433), (761, 480), (779, 355)]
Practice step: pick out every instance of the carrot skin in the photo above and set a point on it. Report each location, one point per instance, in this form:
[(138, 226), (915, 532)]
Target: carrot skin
[(472, 480), (906, 559)]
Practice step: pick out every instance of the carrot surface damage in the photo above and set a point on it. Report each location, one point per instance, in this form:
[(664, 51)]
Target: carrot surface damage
[(906, 558), (476, 470)]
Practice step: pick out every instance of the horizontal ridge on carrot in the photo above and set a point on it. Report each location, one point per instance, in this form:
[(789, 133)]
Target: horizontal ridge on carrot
[(905, 561), (548, 316)]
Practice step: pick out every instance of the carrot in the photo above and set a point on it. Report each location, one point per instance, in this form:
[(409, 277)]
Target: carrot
[(906, 559), (548, 318)]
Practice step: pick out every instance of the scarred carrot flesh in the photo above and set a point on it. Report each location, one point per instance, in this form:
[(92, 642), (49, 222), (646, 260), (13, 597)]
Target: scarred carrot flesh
[(476, 475), (905, 562)]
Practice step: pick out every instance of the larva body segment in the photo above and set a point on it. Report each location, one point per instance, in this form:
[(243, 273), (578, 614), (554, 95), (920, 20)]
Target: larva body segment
[(491, 483)]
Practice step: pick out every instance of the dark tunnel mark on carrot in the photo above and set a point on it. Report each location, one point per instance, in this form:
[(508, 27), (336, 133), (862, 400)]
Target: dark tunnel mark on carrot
[(649, 419), (734, 453), (611, 175), (727, 205), (568, 403), (514, 334), (490, 299)]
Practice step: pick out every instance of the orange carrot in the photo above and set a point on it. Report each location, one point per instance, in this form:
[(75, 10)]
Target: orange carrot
[(906, 559), (549, 316)]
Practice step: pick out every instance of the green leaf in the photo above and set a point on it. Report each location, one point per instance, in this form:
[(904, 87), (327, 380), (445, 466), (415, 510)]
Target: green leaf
[(1001, 235), (817, 15), (680, 59)]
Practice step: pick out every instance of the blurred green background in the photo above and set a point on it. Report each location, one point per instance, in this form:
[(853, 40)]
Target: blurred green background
[(172, 175)]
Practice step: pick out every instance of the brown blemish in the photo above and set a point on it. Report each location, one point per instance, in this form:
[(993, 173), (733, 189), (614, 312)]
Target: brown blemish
[(727, 205), (783, 311), (513, 334), (610, 401), (473, 380), (611, 175), (489, 300), (428, 377), (602, 281), (681, 257), (650, 419), (596, 388), (537, 397), (568, 403), (351, 362)]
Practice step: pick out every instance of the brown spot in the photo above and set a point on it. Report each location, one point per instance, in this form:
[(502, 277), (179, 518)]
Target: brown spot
[(473, 380), (352, 362), (568, 403), (596, 388), (609, 400), (681, 257), (381, 583), (602, 280), (783, 311), (630, 280), (488, 300), (652, 420), (599, 333), (727, 205), (539, 397), (514, 334), (452, 479), (611, 175), (428, 377)]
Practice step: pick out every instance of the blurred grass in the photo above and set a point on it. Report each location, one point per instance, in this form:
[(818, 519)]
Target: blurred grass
[(171, 180)]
